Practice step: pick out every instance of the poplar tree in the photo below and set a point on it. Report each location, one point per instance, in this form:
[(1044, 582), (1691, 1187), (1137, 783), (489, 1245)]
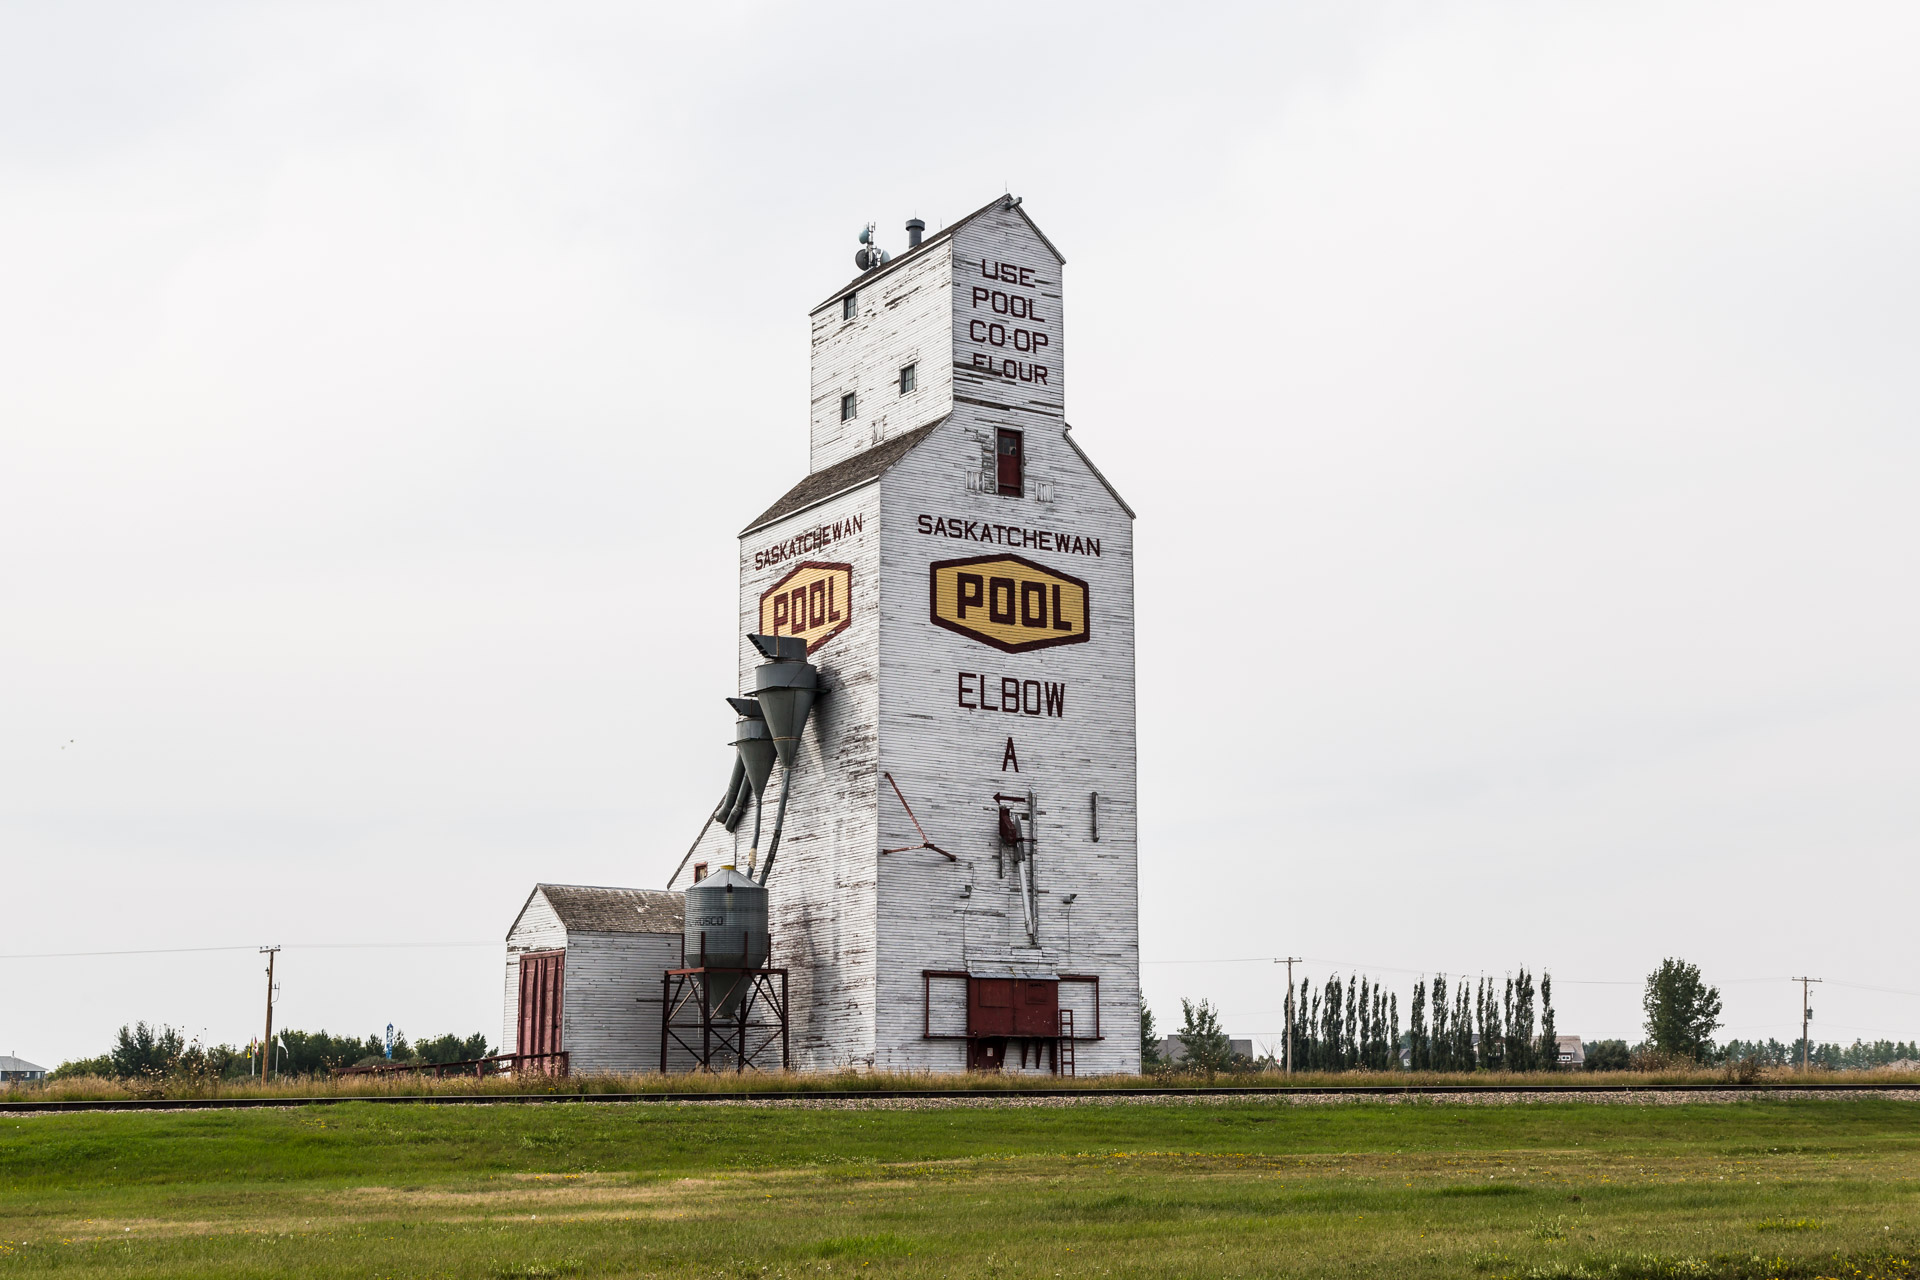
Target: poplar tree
[(1417, 1029), (1493, 1036), (1318, 1050), (1549, 1043), (1440, 1054), (1462, 1027), (1525, 1049), (1506, 1021), (1362, 1026), (1303, 1026), (1393, 1028), (1356, 996), (1480, 1024)]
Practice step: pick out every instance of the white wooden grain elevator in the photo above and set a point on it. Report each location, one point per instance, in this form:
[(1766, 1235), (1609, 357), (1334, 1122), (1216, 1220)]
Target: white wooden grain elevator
[(955, 883)]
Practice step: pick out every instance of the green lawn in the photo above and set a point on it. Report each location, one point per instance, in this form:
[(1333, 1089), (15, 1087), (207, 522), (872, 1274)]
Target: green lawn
[(1789, 1188)]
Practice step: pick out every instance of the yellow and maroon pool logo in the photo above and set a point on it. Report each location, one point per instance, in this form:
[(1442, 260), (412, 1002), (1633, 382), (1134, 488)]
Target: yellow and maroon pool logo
[(814, 602), (1009, 602)]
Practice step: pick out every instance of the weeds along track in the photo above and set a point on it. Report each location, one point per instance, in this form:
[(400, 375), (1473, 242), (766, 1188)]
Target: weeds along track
[(917, 1099)]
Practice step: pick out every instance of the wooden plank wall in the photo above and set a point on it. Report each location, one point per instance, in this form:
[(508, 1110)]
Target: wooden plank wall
[(821, 892), (538, 929), (612, 1015), (949, 760), (902, 317), (855, 927)]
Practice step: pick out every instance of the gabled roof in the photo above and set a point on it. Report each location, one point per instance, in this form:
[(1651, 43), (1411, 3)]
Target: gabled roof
[(945, 233), (1066, 434), (10, 1063), (861, 468), (592, 908)]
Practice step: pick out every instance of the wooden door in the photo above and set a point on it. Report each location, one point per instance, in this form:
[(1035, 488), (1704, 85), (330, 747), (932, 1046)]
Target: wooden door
[(990, 1006), (1036, 1007), (543, 988), (1011, 453)]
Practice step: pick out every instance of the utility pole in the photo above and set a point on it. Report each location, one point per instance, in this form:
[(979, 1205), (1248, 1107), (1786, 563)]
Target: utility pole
[(266, 1049), (1806, 1016), (1290, 961)]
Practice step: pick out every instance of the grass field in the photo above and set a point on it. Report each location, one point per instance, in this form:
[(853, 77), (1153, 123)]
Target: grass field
[(1764, 1188)]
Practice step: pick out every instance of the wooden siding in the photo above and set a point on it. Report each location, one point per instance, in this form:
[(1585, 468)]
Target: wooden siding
[(902, 319), (856, 927), (820, 897), (537, 929), (949, 760), (1003, 236), (610, 1017), (612, 1014)]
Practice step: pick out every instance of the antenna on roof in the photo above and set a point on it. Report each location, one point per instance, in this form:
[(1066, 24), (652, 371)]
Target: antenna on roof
[(870, 254)]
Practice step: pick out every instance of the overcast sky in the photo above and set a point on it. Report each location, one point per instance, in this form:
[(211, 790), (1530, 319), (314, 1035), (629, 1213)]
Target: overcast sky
[(1520, 403)]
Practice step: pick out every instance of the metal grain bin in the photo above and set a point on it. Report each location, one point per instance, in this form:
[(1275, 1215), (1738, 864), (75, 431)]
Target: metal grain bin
[(727, 924)]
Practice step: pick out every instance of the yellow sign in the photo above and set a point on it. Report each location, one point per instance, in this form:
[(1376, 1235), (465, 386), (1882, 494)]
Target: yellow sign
[(814, 602), (1009, 602)]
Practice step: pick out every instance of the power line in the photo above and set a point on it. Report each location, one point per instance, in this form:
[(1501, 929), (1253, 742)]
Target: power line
[(1482, 973), (303, 946)]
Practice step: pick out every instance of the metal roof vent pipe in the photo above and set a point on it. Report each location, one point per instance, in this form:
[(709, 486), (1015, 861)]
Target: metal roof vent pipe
[(915, 229)]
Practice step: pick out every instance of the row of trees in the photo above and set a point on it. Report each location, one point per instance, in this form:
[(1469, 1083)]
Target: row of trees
[(1492, 1025), (1861, 1055), (147, 1052), (1346, 1026), (1487, 1026)]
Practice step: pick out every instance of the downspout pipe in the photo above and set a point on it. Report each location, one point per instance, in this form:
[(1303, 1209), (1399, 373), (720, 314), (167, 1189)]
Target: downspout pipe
[(739, 776), (779, 820)]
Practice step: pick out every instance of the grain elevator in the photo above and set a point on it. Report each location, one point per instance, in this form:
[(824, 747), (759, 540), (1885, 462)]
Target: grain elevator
[(934, 716)]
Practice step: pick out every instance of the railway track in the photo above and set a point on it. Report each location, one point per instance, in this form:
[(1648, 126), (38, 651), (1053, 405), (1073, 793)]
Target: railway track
[(867, 1095)]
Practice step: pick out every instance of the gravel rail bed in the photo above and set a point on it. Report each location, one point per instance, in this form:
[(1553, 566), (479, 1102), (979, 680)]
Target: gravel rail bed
[(932, 1100)]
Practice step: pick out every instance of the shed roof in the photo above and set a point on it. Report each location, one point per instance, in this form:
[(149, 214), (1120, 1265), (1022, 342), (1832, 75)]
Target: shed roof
[(842, 476), (593, 908), (10, 1063)]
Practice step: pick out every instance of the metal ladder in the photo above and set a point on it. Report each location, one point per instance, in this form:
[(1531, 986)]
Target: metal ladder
[(1063, 1046)]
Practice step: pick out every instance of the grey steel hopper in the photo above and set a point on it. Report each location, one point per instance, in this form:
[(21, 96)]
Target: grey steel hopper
[(753, 739), (726, 929), (786, 691)]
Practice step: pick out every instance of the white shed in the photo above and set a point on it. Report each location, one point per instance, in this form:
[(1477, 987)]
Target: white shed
[(584, 968)]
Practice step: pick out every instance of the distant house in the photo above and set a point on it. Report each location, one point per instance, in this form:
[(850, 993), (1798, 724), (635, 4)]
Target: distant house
[(19, 1069), (1174, 1049), (584, 966)]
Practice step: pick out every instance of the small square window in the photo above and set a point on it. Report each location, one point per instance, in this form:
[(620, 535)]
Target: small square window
[(699, 872), (849, 306), (849, 407), (909, 378)]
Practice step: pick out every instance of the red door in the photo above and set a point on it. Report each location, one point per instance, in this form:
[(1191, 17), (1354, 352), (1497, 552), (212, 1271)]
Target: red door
[(1012, 459), (543, 987), (990, 1006), (1036, 1007)]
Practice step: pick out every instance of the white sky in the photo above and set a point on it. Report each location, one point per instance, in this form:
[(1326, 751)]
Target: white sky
[(1519, 400)]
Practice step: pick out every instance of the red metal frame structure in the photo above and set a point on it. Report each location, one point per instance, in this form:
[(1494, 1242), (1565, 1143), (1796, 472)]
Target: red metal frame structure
[(746, 1039), (986, 1045), (925, 843)]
